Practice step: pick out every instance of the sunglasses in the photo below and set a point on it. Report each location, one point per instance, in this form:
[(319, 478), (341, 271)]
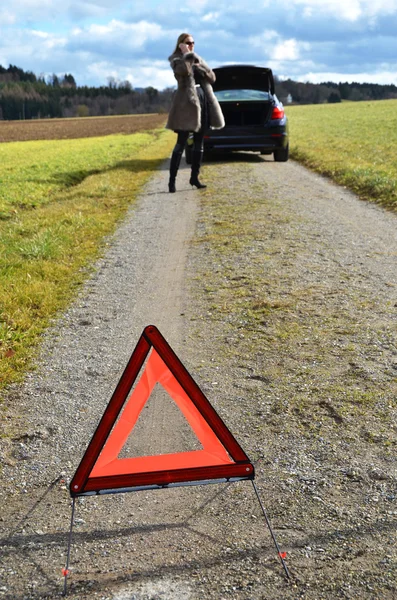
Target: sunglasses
[(189, 43)]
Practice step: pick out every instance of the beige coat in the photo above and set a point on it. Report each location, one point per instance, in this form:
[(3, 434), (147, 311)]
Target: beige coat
[(185, 113)]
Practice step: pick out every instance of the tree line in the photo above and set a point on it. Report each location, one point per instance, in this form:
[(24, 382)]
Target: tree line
[(331, 92), (23, 95)]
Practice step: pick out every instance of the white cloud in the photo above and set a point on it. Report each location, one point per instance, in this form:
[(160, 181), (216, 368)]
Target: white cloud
[(95, 39), (48, 41), (143, 74), (349, 10), (196, 6), (32, 10), (33, 50), (211, 17), (24, 12), (261, 41), (141, 31), (342, 9), (286, 50), (117, 33), (160, 74), (7, 17), (121, 44), (272, 46)]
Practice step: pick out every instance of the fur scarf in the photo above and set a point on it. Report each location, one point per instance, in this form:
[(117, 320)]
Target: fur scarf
[(185, 112)]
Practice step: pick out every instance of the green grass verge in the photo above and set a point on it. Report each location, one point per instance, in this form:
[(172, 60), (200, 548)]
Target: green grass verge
[(58, 202), (354, 143)]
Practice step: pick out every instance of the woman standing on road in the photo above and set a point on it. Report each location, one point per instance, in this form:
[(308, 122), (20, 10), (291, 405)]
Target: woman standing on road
[(194, 107)]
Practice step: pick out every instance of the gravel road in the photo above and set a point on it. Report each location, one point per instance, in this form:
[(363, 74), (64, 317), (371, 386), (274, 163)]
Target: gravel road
[(207, 542)]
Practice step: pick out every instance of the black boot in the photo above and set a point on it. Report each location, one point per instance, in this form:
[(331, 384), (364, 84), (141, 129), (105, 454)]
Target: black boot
[(174, 166), (197, 157)]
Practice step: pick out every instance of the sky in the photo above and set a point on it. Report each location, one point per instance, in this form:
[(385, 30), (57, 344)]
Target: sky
[(130, 40)]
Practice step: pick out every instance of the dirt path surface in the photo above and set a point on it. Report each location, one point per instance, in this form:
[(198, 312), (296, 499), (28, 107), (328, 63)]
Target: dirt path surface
[(309, 391)]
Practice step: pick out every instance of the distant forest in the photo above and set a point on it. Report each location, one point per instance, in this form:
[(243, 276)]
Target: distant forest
[(23, 95)]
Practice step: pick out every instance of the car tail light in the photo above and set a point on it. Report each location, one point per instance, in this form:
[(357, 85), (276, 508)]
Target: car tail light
[(277, 113)]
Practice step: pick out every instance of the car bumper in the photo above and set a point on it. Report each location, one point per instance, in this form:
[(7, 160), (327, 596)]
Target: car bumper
[(246, 142)]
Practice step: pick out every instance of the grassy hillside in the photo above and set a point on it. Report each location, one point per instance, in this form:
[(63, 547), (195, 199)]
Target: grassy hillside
[(352, 142)]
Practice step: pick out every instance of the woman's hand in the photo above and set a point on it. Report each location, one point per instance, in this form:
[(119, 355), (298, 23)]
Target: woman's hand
[(184, 48)]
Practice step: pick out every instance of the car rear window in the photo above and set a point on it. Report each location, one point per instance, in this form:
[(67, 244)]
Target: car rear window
[(240, 95)]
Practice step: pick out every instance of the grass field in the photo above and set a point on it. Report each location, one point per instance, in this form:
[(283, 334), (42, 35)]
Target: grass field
[(64, 192), (354, 143), (58, 202)]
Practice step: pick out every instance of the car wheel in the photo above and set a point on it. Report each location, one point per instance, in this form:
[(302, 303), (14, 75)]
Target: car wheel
[(188, 154), (281, 154)]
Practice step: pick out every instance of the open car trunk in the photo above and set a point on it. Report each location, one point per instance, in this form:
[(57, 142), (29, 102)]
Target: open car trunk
[(245, 93), (246, 113), (240, 77)]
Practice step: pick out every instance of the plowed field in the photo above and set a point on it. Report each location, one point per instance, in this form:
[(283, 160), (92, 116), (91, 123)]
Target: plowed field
[(59, 129)]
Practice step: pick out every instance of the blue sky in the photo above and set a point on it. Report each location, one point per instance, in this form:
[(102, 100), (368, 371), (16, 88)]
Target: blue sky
[(305, 40)]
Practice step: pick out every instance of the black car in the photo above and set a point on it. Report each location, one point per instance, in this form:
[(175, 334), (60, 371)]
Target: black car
[(254, 117)]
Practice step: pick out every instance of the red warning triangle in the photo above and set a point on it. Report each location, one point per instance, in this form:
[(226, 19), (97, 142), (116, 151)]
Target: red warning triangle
[(101, 469)]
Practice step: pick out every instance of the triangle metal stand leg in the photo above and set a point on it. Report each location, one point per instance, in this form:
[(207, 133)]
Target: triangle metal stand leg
[(65, 571), (280, 554)]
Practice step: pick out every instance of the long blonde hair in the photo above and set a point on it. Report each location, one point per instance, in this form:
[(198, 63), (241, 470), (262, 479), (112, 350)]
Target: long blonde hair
[(180, 40)]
